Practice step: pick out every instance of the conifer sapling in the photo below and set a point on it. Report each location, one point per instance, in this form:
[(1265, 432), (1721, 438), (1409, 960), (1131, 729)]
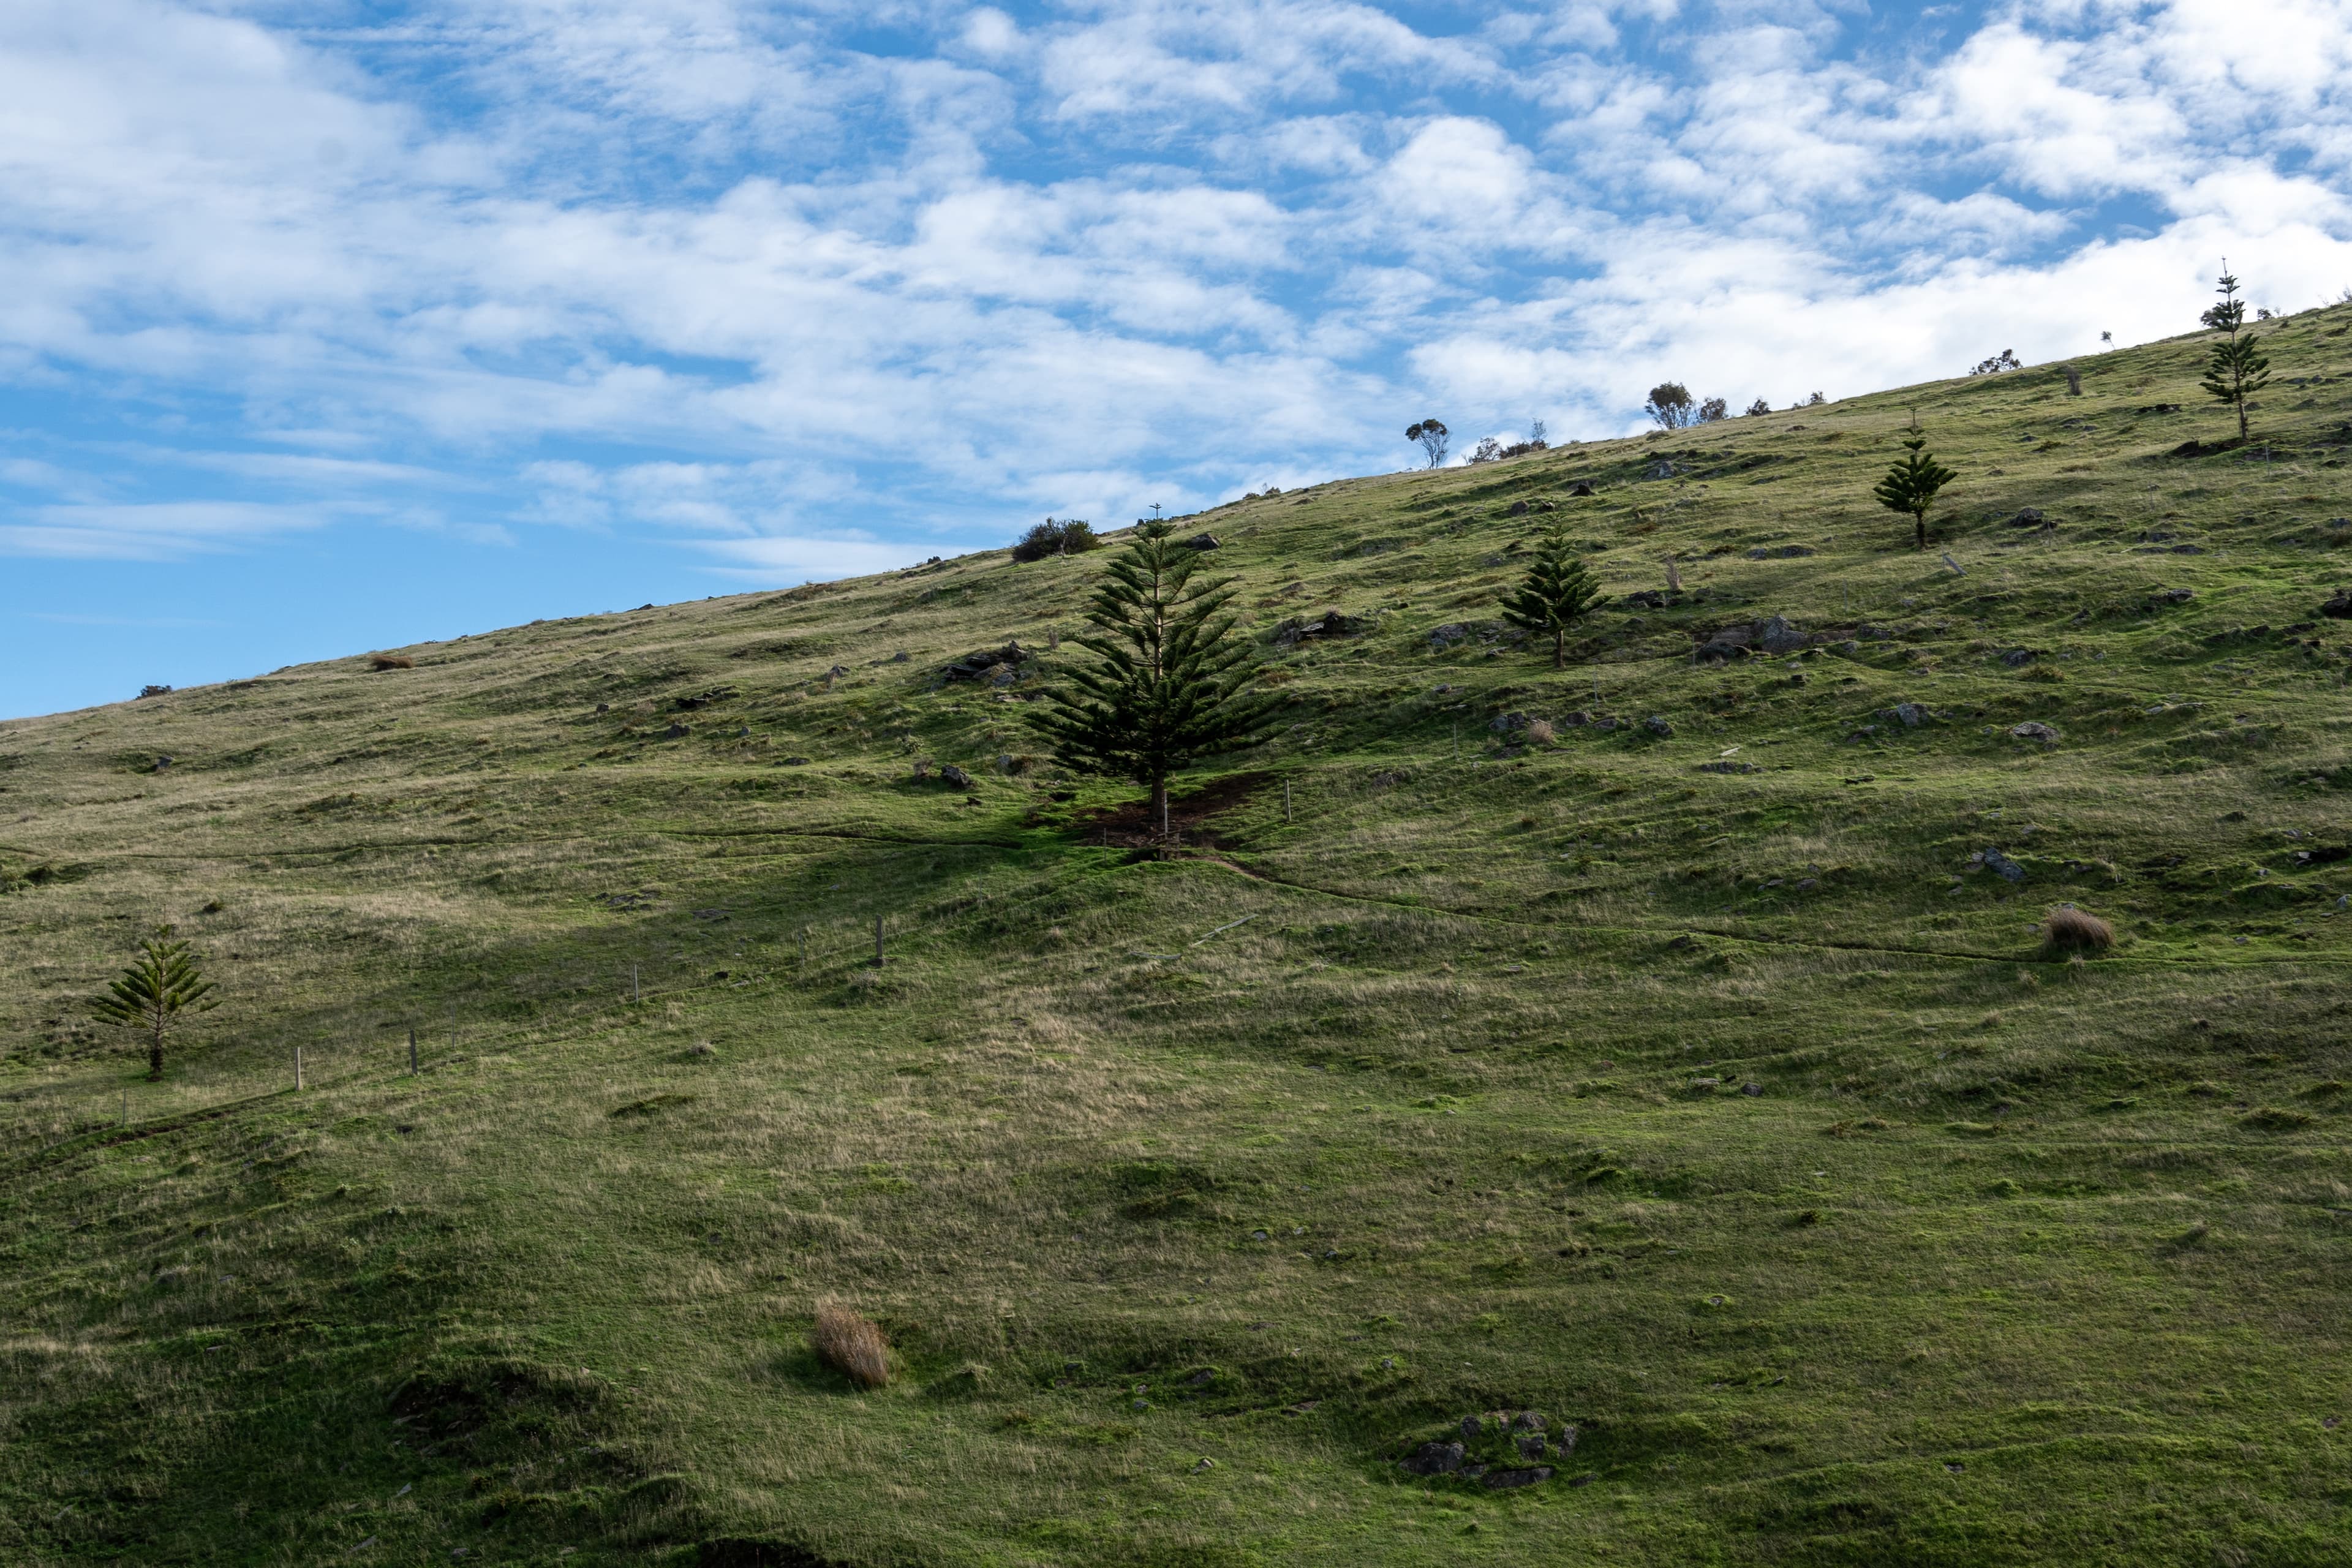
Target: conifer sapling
[(1167, 687), (2235, 371), (164, 982), (1558, 592), (1911, 485)]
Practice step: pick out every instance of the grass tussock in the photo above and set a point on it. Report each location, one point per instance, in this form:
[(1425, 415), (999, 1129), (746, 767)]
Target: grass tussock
[(852, 1345), (2069, 930)]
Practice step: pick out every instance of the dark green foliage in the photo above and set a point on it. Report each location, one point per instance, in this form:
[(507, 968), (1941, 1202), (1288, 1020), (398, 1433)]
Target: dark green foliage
[(1069, 536), (1433, 435), (2235, 371), (1911, 485), (164, 982), (1558, 591), (1168, 689), (1670, 406)]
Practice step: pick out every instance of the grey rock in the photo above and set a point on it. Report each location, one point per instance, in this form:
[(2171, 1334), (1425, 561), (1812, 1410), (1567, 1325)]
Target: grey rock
[(163, 762), (956, 776), (677, 732), (1567, 1440), (2034, 730), (1472, 1472), (1434, 1459), (1530, 1445), (1751, 1089), (1911, 713), (1729, 767), (2029, 517), (1779, 634), (1440, 638), (2016, 657), (1472, 1428), (1657, 726), (1004, 762), (1503, 723), (1527, 1420), (1576, 720), (982, 666), (1518, 509), (1780, 552), (2009, 869), (1661, 469), (2338, 608), (1581, 487), (795, 762), (1504, 1480), (1706, 1083), (1204, 541)]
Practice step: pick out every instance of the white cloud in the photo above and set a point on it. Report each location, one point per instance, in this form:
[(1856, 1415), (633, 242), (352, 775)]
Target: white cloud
[(711, 270)]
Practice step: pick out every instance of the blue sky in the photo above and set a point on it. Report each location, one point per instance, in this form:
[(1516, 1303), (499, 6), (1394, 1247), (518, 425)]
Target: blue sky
[(326, 327)]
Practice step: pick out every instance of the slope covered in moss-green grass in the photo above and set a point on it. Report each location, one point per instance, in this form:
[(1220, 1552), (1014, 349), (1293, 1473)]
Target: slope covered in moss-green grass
[(1702, 1090)]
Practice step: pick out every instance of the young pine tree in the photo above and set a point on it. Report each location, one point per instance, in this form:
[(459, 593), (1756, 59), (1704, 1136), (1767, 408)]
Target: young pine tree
[(1166, 688), (1912, 483), (2236, 372), (1557, 593), (164, 982)]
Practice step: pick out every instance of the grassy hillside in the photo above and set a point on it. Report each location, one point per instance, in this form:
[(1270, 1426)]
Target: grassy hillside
[(1694, 1083)]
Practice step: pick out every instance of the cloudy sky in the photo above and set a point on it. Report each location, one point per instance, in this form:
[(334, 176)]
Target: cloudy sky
[(333, 324)]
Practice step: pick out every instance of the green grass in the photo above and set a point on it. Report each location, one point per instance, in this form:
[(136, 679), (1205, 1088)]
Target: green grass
[(2005, 1259)]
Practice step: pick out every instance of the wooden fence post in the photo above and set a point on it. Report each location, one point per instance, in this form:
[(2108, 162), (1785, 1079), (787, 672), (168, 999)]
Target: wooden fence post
[(298, 1070)]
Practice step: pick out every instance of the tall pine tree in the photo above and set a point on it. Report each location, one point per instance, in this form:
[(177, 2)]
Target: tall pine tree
[(1166, 688), (2235, 371), (1911, 485), (1558, 592)]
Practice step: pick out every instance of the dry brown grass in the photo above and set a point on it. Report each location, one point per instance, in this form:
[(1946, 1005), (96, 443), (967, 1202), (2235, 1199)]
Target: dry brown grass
[(852, 1345), (1542, 733), (390, 661), (2069, 930)]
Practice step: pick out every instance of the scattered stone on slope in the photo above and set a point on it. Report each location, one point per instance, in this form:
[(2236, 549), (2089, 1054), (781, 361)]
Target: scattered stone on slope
[(2032, 517), (2008, 869), (1503, 1480), (1656, 725), (2034, 730), (1581, 487), (2338, 608), (1780, 552), (2017, 658), (1729, 767), (955, 775), (981, 666), (1204, 541), (1434, 1459)]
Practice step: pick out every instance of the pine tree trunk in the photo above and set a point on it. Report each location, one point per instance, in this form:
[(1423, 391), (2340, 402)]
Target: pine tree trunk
[(1159, 823), (1559, 648), (1920, 531), (2242, 413), (155, 1052)]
